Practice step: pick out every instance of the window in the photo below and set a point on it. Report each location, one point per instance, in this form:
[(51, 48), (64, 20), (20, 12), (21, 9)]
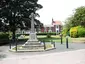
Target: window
[(57, 31), (56, 26)]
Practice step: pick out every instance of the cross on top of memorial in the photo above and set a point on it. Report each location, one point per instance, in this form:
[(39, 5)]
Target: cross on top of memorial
[(32, 15)]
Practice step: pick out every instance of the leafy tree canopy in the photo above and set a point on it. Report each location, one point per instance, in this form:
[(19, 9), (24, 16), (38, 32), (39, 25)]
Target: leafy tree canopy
[(16, 13), (78, 18)]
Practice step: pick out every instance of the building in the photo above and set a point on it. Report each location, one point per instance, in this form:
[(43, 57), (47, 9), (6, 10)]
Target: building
[(56, 26)]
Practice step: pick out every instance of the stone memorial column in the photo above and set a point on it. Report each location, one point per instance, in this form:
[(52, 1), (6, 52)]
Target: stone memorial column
[(32, 34), (32, 23)]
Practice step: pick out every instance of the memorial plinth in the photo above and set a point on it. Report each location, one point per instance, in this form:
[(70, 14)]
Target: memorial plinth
[(32, 42)]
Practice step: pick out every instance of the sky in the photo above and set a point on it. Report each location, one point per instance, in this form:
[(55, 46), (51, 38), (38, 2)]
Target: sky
[(59, 10)]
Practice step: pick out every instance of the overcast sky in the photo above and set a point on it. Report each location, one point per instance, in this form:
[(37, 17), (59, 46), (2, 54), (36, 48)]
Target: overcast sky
[(57, 9)]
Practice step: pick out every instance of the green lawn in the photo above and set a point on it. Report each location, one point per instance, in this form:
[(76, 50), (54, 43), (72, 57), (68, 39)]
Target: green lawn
[(53, 38), (81, 40)]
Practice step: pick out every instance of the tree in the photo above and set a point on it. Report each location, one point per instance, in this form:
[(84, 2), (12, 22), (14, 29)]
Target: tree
[(3, 26), (78, 18), (15, 12), (68, 23)]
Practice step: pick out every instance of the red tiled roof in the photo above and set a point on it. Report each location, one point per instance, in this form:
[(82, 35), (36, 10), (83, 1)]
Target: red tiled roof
[(56, 22)]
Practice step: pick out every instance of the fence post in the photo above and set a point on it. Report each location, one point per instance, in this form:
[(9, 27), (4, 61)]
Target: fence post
[(10, 43), (44, 45), (16, 45), (54, 44), (16, 41), (10, 39)]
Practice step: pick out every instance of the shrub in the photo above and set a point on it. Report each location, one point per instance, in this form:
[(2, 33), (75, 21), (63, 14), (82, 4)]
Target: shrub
[(4, 36), (74, 32), (48, 35), (65, 32), (81, 32)]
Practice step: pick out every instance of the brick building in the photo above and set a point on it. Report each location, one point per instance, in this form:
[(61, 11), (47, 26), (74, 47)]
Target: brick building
[(56, 26)]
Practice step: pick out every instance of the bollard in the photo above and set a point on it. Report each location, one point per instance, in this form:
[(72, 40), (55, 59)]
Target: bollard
[(16, 46), (54, 44), (16, 42), (44, 45), (10, 39), (10, 44), (61, 38), (66, 41)]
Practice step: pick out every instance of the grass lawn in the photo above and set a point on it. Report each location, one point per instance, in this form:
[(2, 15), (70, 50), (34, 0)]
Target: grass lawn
[(54, 38), (79, 40)]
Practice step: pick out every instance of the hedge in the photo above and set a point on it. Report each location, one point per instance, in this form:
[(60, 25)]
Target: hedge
[(81, 31), (4, 36), (44, 33)]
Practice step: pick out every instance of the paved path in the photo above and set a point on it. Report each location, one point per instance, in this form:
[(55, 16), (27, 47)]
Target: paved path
[(71, 57), (74, 55), (59, 48)]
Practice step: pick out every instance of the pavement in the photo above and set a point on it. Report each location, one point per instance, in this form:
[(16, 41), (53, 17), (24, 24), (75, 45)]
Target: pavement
[(70, 57), (75, 54)]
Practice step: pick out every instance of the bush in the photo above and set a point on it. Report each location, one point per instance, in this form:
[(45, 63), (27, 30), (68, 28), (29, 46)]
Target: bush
[(48, 35), (81, 32), (65, 32), (4, 36), (74, 32)]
